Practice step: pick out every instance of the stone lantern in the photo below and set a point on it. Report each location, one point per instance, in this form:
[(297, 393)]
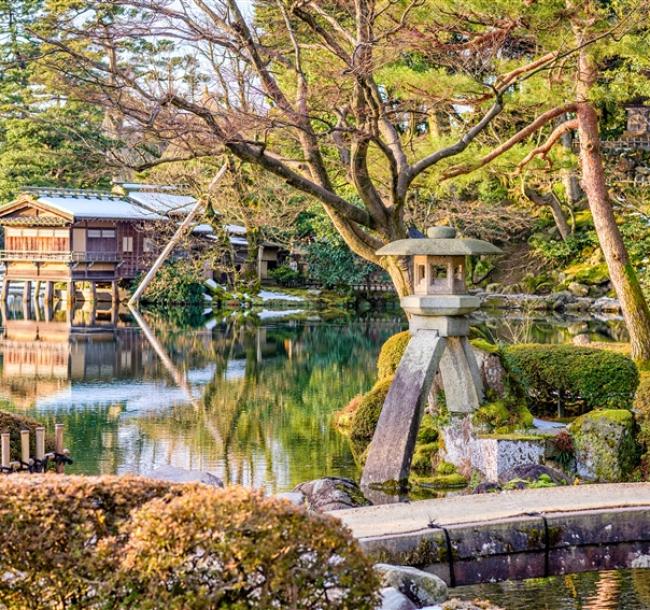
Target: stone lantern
[(439, 327)]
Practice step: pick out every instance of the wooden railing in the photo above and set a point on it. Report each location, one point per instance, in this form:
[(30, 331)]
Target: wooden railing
[(66, 257), (41, 461)]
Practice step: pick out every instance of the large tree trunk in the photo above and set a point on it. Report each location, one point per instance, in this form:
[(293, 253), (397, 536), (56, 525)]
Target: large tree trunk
[(623, 276)]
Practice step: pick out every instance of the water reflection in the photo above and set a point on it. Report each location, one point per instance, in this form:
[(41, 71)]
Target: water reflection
[(251, 403), (250, 400), (612, 590)]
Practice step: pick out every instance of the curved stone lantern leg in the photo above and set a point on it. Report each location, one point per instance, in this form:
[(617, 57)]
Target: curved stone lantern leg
[(391, 449)]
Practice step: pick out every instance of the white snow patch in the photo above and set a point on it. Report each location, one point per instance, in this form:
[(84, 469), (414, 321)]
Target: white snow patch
[(267, 295), (267, 314)]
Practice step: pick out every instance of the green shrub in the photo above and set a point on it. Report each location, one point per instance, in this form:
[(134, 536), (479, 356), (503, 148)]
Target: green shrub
[(571, 378), (286, 276), (50, 526), (235, 549), (367, 414), (391, 353), (177, 282)]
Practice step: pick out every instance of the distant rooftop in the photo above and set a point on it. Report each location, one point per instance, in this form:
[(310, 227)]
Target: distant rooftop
[(91, 204)]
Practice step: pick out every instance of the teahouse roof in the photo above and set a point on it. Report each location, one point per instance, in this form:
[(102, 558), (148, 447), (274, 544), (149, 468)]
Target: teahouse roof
[(76, 205), (445, 245)]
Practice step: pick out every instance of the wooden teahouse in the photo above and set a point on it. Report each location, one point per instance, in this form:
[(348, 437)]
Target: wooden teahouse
[(69, 236)]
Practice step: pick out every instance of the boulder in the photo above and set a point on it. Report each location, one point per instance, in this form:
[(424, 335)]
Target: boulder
[(605, 445), (422, 588), (577, 289), (493, 374), (331, 493), (392, 599), (532, 473), (181, 475)]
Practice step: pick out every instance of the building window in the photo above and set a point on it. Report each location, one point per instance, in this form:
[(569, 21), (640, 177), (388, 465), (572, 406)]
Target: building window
[(101, 233), (148, 245), (127, 244)]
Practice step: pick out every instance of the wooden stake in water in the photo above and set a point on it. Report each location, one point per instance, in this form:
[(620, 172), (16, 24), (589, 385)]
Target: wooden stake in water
[(58, 444), (4, 449), (40, 443), (24, 446)]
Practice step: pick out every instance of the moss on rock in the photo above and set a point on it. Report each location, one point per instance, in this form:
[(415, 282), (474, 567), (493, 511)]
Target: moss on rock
[(368, 410), (485, 346), (391, 353), (448, 481), (503, 416), (605, 444)]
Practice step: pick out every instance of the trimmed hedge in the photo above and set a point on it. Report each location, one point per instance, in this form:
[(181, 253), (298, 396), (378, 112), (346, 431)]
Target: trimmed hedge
[(578, 379), (391, 353), (113, 542), (236, 549)]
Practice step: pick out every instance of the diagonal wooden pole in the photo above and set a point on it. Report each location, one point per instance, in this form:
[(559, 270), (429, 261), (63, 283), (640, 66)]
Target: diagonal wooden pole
[(183, 227)]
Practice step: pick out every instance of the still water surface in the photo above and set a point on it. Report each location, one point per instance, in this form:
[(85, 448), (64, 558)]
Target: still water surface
[(615, 590)]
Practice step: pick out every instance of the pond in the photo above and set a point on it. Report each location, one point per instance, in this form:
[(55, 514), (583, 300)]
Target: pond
[(249, 399), (612, 590)]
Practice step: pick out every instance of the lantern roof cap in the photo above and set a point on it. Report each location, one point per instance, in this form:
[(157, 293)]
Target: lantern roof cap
[(440, 241)]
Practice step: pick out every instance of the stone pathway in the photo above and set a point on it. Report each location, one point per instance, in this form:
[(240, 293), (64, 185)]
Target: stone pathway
[(391, 519)]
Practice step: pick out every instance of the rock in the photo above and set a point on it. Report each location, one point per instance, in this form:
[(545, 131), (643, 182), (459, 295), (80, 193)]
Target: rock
[(607, 304), (605, 445), (493, 288), (577, 289), (392, 599), (493, 373), (181, 475), (581, 340), (487, 487), (331, 493), (294, 497), (422, 588), (532, 472)]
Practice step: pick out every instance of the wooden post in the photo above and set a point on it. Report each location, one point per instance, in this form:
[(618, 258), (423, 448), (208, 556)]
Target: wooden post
[(27, 291), (5, 289), (40, 443), (93, 291), (37, 291), (5, 448), (24, 446), (49, 293), (58, 444), (174, 240)]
